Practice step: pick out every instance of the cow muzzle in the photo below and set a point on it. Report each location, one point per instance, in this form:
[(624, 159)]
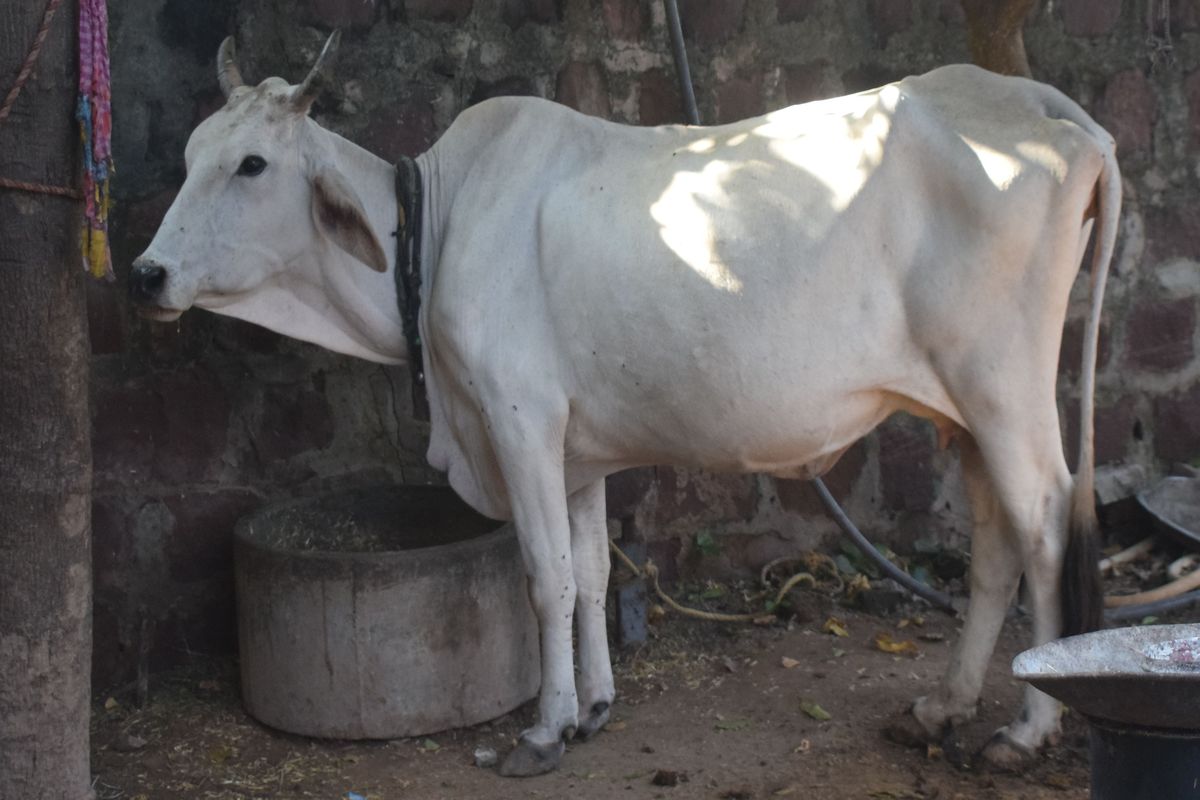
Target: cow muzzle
[(146, 283)]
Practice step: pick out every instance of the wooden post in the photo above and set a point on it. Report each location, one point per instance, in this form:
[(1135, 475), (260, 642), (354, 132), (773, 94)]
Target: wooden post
[(45, 446)]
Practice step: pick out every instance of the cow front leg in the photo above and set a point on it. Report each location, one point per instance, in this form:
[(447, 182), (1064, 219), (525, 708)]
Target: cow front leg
[(539, 508), (589, 550)]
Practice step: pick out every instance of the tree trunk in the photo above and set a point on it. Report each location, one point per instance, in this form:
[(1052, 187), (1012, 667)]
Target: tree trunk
[(994, 34), (45, 447)]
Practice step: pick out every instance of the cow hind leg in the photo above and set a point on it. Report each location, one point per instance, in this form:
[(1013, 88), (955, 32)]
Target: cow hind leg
[(995, 573), (589, 551), (1041, 524), (1019, 481)]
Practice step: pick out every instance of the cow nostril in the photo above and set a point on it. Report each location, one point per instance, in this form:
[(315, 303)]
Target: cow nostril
[(146, 281), (153, 282)]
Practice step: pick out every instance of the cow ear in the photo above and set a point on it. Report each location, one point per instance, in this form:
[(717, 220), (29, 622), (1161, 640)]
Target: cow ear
[(339, 215)]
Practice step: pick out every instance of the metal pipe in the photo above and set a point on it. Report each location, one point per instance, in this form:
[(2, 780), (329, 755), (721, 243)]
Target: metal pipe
[(681, 63)]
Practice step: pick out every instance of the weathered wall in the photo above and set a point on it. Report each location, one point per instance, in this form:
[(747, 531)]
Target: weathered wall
[(197, 422)]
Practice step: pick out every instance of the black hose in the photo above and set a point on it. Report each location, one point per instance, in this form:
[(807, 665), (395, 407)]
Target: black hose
[(895, 573), (681, 64), (1113, 615)]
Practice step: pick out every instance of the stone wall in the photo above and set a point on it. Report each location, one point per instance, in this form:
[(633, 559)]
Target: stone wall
[(200, 421)]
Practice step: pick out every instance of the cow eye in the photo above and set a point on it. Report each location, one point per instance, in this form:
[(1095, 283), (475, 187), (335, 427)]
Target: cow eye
[(252, 165)]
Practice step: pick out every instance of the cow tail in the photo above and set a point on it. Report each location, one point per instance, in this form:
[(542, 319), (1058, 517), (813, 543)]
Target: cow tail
[(1082, 590)]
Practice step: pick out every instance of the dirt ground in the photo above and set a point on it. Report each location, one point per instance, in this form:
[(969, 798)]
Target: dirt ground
[(712, 708)]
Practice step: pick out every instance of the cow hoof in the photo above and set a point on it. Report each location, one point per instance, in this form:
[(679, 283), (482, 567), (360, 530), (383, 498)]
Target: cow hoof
[(907, 731), (528, 759), (1006, 754), (593, 722)]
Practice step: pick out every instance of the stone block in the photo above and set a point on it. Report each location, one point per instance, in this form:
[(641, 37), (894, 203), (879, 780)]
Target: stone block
[(142, 217), (659, 101), (693, 496), (201, 546), (1117, 427), (890, 17), (1173, 231), (665, 554), (711, 22), (794, 10), (127, 422), (438, 10), (195, 410), (582, 86), (294, 421), (1185, 15), (1090, 17), (405, 128), (870, 76), (740, 98), (516, 13), (1128, 109), (114, 655), (816, 80), (1159, 334), (1070, 354), (346, 14), (208, 102), (106, 313), (626, 20), (510, 86), (626, 490), (951, 12), (1191, 90), (1177, 426), (246, 336), (799, 497), (112, 544), (906, 448)]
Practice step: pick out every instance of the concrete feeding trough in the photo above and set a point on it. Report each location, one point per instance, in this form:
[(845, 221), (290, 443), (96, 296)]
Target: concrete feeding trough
[(381, 613), (1139, 689)]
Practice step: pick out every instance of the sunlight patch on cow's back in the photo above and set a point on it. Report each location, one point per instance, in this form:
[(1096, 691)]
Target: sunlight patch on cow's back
[(684, 214)]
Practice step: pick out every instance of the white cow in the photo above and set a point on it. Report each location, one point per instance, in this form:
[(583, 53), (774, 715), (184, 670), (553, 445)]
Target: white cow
[(749, 297)]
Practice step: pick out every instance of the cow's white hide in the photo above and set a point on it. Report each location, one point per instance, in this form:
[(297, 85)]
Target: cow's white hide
[(751, 297)]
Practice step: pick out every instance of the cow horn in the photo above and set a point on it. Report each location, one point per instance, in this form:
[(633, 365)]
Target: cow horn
[(304, 94), (228, 74)]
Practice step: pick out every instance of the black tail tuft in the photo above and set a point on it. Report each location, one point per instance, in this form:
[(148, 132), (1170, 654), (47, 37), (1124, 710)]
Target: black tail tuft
[(1082, 587)]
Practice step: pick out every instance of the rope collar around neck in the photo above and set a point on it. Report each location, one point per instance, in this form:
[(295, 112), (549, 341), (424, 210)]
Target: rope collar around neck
[(408, 274)]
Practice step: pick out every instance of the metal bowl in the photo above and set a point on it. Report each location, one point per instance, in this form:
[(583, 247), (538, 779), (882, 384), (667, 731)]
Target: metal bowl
[(1174, 503), (1147, 676)]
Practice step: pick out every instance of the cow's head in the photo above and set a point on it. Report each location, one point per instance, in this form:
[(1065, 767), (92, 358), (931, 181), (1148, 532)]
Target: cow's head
[(261, 193)]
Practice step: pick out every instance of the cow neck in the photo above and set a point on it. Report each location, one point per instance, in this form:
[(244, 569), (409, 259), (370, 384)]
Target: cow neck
[(409, 196)]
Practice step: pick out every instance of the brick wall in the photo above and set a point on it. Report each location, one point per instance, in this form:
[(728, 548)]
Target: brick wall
[(200, 421)]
